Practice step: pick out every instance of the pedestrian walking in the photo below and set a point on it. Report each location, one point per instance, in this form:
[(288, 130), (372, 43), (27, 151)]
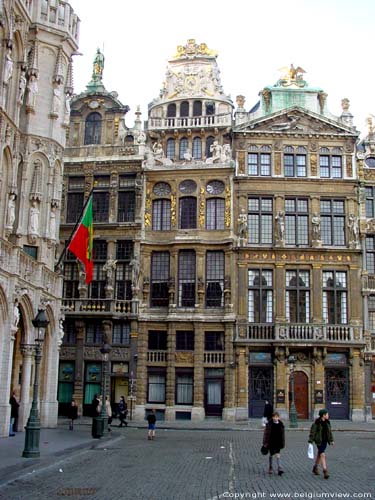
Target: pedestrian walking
[(95, 406), (72, 414), (109, 412), (123, 411), (151, 419), (274, 441), (267, 412), (13, 414), (321, 435)]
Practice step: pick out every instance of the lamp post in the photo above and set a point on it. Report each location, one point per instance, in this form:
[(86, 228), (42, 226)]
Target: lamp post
[(99, 422), (292, 407), (32, 428)]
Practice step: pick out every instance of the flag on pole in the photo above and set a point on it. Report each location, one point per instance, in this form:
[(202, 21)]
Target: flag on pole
[(81, 244)]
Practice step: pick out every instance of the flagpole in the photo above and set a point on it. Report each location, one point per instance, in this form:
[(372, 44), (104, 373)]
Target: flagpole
[(74, 229)]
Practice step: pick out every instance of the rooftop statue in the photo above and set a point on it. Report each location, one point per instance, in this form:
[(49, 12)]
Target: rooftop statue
[(292, 76), (98, 66)]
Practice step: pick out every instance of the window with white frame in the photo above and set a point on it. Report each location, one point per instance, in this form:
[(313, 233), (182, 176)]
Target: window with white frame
[(260, 218), (186, 278), (370, 254), (297, 297), (259, 162), (335, 297), (330, 162), (295, 161), (332, 213), (260, 296), (296, 221)]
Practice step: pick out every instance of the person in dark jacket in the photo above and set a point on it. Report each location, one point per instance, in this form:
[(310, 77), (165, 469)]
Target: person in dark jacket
[(123, 411), (321, 435), (268, 410), (95, 406), (274, 441), (151, 419), (13, 414), (72, 414)]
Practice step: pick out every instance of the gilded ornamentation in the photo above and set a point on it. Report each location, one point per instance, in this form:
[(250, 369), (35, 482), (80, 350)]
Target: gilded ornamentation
[(117, 123), (227, 215), (202, 207), (241, 162), (292, 76), (240, 100), (192, 49), (173, 210), (277, 163), (184, 357), (349, 166), (148, 208), (313, 165)]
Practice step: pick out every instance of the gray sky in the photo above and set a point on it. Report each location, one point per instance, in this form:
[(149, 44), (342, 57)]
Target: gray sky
[(332, 40)]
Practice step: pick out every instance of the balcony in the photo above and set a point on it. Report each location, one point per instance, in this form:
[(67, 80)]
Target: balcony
[(157, 356), (100, 306), (185, 122), (304, 332), (214, 358)]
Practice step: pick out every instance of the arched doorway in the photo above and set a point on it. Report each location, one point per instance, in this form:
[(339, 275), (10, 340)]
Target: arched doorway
[(301, 394), (17, 378)]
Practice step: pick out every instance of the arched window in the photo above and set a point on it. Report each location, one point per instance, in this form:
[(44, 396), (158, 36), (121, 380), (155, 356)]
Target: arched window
[(93, 128), (183, 147), (171, 148), (197, 148), (171, 110), (197, 108), (210, 108), (188, 212), (184, 108), (209, 142)]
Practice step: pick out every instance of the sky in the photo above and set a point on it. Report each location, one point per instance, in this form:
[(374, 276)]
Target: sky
[(332, 40)]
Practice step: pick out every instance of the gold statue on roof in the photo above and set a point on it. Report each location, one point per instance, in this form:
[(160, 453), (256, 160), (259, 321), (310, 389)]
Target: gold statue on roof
[(192, 49), (292, 76)]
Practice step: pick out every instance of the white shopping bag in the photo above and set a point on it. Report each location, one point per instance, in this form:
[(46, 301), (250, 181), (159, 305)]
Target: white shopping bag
[(310, 451), (264, 421)]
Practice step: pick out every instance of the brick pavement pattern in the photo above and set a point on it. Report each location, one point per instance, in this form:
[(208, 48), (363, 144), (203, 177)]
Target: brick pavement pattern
[(199, 465)]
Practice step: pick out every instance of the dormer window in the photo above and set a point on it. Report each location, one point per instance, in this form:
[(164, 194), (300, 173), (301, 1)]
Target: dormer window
[(93, 128)]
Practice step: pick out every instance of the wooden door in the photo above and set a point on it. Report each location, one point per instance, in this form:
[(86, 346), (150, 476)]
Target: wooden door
[(301, 391)]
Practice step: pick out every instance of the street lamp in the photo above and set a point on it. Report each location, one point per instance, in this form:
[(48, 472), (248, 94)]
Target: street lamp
[(99, 422), (32, 428), (292, 407)]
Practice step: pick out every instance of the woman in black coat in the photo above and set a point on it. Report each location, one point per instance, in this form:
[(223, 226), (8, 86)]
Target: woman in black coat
[(73, 414), (274, 441)]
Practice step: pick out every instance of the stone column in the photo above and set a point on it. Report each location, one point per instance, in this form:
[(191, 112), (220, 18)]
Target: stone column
[(25, 403), (242, 409), (79, 365), (316, 305), (281, 380), (141, 385), (171, 375), (229, 374), (197, 412), (358, 387)]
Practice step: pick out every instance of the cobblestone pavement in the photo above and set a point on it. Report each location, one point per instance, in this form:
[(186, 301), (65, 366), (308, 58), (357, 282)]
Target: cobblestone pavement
[(211, 465)]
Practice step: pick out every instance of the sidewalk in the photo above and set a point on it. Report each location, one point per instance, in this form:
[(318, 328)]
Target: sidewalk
[(55, 444), (216, 424)]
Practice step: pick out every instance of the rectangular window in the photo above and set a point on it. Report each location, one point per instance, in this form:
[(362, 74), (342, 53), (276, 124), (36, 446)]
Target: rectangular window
[(71, 280), (370, 254), (371, 313), (94, 333), (121, 333), (123, 282), (159, 279), (184, 340), (156, 387), (31, 251), (260, 213), (69, 332), (330, 166), (215, 279), (100, 206), (75, 198), (370, 205), (259, 164), (335, 296), (126, 206), (215, 213), (333, 222), (97, 286), (294, 165), (214, 341), (296, 221), (157, 340), (184, 387), (188, 213), (297, 299), (161, 215), (186, 278), (260, 296)]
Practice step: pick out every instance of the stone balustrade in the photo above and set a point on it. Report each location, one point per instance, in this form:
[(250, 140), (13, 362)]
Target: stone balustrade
[(180, 122), (300, 332), (100, 305), (214, 357)]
